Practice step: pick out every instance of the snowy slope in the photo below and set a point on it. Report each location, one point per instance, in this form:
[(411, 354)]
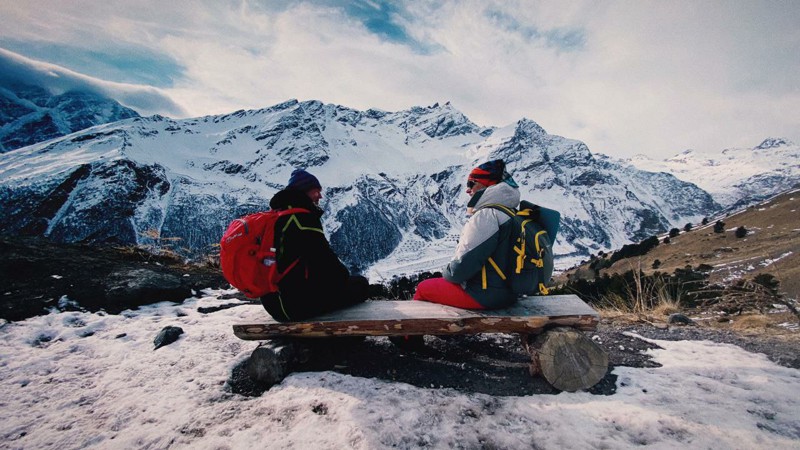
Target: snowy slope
[(92, 380), (734, 176), (394, 181), (31, 114)]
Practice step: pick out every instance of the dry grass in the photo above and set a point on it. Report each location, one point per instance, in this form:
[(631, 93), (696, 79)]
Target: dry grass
[(750, 322), (646, 296), (666, 308), (776, 325)]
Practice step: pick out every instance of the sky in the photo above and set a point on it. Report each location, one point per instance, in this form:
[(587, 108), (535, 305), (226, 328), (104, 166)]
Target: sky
[(73, 379), (625, 77)]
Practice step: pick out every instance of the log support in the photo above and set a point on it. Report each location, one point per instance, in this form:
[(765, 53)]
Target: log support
[(276, 358), (566, 358)]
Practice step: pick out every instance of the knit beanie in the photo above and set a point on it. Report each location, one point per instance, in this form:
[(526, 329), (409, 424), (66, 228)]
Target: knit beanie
[(488, 173), (303, 181)]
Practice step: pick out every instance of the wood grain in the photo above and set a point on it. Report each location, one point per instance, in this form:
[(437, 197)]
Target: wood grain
[(531, 315)]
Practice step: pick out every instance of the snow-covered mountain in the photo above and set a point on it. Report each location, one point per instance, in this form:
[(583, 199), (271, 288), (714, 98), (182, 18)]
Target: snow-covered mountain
[(735, 177), (31, 114), (394, 182)]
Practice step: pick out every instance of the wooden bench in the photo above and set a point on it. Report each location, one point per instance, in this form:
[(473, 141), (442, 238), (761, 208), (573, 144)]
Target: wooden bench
[(551, 328)]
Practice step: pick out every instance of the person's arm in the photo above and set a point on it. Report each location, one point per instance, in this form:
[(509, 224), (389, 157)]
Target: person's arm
[(476, 244), (317, 251)]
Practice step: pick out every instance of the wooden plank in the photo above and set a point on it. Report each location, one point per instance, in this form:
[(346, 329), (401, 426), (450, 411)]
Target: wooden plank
[(530, 315)]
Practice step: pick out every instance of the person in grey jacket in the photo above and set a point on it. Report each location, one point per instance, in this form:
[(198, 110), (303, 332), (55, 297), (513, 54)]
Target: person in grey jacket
[(475, 277)]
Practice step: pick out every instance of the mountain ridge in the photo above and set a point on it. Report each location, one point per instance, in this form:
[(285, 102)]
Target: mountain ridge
[(394, 181), (737, 176), (30, 114)]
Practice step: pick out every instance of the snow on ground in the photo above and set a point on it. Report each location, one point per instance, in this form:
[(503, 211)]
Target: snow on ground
[(92, 380)]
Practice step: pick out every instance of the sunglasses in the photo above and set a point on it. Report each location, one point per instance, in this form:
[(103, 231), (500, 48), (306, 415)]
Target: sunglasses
[(470, 184)]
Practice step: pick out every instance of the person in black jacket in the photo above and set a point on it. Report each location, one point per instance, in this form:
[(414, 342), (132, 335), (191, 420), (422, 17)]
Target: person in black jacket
[(318, 282)]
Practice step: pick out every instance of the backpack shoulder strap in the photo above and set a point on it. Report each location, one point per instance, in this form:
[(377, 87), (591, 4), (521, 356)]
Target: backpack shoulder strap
[(292, 212), (510, 211)]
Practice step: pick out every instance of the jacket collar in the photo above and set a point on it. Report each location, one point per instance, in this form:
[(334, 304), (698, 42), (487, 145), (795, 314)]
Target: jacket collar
[(293, 198), (501, 194)]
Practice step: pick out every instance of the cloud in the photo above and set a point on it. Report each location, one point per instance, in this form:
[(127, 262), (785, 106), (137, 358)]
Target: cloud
[(121, 63), (144, 99), (625, 77)]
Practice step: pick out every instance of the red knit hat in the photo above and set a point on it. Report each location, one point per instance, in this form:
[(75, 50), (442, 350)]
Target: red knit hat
[(488, 173)]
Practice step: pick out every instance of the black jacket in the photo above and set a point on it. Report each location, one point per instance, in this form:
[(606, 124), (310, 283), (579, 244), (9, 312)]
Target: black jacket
[(318, 273)]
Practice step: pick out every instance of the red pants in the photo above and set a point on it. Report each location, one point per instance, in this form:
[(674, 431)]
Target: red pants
[(439, 290)]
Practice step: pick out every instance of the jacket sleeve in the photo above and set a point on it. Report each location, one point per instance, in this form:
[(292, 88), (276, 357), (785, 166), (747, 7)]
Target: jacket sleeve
[(476, 244), (316, 250)]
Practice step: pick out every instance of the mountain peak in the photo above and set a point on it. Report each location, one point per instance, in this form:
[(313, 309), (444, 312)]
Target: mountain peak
[(32, 114), (772, 143), (436, 121), (529, 126)]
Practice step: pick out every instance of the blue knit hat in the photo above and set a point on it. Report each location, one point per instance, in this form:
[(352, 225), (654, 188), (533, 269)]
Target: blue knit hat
[(303, 181)]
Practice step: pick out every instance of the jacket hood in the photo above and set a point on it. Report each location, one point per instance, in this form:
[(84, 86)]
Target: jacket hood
[(293, 198), (502, 194)]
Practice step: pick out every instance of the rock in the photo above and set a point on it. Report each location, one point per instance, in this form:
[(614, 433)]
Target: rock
[(143, 286), (274, 359), (679, 319), (167, 336)]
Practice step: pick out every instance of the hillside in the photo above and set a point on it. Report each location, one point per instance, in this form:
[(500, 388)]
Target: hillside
[(770, 247)]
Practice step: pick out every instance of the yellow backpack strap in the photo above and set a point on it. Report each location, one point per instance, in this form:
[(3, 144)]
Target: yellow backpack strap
[(540, 260), (497, 269), (511, 212), (543, 289)]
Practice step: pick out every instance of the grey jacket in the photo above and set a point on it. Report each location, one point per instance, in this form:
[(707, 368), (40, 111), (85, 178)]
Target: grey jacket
[(486, 235)]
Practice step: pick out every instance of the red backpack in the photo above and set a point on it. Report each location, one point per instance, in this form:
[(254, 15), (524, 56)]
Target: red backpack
[(248, 256)]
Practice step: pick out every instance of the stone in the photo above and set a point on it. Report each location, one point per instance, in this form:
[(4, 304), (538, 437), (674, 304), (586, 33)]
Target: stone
[(679, 319), (167, 336)]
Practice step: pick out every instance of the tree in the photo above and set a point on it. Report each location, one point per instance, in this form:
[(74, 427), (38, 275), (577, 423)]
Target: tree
[(687, 227), (741, 232), (719, 227), (674, 232)]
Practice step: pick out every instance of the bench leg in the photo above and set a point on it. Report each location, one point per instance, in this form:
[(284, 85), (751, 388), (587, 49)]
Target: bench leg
[(566, 358), (274, 359)]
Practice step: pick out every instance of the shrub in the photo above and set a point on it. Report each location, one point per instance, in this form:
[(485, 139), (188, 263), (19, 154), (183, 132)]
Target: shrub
[(741, 232), (635, 291), (687, 227), (719, 227), (768, 281), (667, 240), (656, 264), (705, 221), (674, 232), (629, 250)]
